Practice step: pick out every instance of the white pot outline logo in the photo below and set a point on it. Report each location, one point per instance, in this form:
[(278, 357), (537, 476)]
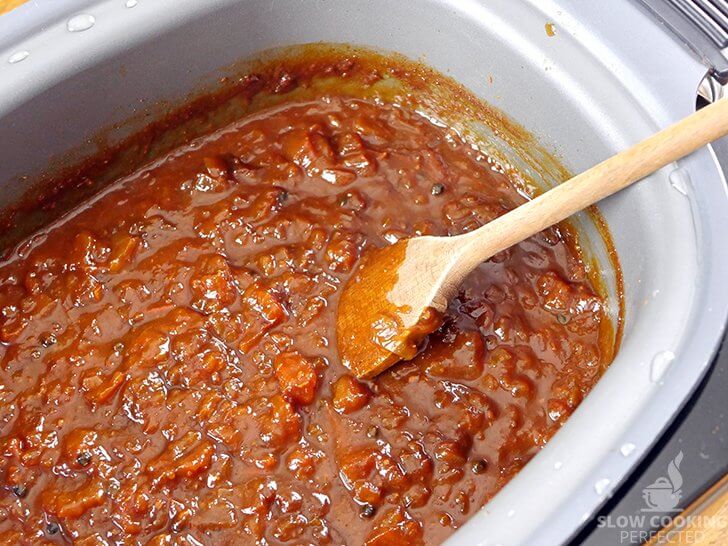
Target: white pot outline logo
[(664, 494)]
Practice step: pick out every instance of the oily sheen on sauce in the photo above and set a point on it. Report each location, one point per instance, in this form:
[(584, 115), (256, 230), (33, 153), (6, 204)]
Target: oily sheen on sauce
[(168, 363)]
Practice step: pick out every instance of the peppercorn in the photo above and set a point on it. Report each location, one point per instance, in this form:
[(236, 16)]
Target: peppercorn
[(437, 189), (563, 319), (282, 197), (479, 466), (83, 459), (48, 340), (367, 511), (20, 491), (52, 528)]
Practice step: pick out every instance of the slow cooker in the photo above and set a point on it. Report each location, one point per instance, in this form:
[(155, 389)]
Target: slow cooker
[(586, 77)]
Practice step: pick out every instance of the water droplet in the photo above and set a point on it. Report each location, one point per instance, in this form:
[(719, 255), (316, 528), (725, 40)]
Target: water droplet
[(131, 3), (680, 180), (558, 465), (81, 22), (511, 513), (601, 486), (659, 365), (18, 56), (627, 449)]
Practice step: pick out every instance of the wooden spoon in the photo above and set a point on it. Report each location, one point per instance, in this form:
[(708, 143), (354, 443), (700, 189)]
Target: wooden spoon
[(398, 293)]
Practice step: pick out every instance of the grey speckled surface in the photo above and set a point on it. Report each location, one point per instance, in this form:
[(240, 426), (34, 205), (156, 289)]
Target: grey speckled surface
[(700, 432)]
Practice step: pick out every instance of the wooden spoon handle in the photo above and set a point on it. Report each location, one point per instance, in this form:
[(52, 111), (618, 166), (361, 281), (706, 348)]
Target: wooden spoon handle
[(7, 5), (595, 184)]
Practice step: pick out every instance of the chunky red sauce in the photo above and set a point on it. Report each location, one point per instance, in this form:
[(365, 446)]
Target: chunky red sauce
[(168, 368)]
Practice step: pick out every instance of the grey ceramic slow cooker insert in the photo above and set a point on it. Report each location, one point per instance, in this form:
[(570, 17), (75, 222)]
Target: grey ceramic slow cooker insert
[(610, 75)]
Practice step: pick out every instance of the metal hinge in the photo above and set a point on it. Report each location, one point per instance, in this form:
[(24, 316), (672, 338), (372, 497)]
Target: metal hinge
[(702, 25)]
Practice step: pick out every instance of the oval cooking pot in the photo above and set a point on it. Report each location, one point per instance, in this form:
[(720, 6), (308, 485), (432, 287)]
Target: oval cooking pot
[(609, 76)]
